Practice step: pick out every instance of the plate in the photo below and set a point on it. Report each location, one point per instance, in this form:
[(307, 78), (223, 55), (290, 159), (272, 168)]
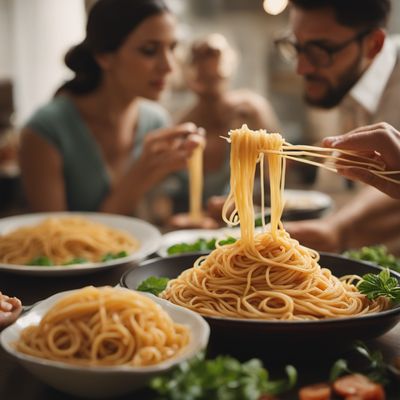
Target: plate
[(99, 382), (303, 204), (192, 235), (280, 339), (148, 236)]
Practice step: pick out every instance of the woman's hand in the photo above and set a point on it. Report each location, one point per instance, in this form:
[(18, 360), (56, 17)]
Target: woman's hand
[(168, 150), (164, 151), (184, 221), (379, 142), (10, 308)]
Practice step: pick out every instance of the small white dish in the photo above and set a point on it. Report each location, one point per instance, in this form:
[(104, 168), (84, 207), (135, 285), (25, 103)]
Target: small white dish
[(306, 200), (101, 382), (147, 234), (192, 235)]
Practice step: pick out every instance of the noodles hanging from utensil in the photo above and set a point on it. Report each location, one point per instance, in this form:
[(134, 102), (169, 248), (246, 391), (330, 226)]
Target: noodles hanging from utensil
[(268, 276)]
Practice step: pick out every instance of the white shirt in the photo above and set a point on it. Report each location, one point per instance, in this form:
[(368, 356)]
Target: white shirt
[(374, 98), (369, 89)]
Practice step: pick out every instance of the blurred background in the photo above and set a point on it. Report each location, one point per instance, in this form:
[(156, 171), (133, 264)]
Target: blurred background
[(35, 35)]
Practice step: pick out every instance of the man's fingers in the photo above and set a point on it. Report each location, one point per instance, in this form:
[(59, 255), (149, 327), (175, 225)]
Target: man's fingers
[(369, 178)]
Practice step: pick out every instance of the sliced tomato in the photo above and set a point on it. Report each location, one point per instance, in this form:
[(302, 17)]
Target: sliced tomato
[(358, 387), (318, 391)]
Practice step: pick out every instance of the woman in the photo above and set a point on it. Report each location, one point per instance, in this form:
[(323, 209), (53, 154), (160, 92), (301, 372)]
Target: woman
[(97, 146), (209, 71), (218, 108)]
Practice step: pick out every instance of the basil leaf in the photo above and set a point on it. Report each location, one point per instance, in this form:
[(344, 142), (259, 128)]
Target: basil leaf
[(153, 285)]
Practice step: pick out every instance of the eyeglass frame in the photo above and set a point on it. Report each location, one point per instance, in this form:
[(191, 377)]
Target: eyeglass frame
[(330, 51)]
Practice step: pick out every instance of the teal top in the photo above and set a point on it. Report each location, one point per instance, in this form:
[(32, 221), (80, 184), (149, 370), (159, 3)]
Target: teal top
[(87, 181)]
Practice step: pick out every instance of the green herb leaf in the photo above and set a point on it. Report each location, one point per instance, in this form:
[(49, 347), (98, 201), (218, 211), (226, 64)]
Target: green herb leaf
[(377, 255), (339, 368), (41, 261), (223, 378), (114, 256), (200, 244), (258, 220), (282, 385), (376, 369), (77, 260), (382, 284), (228, 240), (153, 285)]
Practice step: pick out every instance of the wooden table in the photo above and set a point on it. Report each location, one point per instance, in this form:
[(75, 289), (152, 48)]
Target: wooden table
[(18, 384)]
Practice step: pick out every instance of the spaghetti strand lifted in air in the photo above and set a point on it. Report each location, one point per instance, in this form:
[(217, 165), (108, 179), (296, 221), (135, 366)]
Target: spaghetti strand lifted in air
[(268, 276)]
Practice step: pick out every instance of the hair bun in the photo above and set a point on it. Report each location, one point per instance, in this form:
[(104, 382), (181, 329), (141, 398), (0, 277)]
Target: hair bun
[(87, 72), (80, 59)]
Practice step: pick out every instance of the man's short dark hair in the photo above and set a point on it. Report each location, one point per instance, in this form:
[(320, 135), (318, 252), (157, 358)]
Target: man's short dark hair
[(365, 14)]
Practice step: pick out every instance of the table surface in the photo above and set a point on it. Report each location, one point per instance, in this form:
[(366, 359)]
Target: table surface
[(18, 384)]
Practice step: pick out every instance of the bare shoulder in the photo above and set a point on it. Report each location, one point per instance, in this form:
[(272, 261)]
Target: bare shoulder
[(34, 147)]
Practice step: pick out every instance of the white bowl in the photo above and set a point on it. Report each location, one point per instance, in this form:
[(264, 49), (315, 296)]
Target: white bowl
[(100, 382), (148, 236)]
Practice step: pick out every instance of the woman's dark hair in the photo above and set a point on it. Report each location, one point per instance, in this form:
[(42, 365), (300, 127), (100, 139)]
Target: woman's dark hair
[(364, 14), (109, 23)]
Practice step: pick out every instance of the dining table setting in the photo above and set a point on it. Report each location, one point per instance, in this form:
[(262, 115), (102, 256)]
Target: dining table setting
[(311, 348)]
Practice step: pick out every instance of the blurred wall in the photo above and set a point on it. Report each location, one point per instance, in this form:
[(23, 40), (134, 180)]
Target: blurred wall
[(34, 36), (5, 40)]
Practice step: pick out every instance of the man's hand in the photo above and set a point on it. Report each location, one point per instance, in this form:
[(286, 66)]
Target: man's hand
[(379, 142)]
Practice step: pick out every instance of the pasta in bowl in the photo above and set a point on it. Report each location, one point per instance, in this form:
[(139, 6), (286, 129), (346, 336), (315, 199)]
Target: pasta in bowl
[(268, 283), (283, 340), (102, 342), (72, 242)]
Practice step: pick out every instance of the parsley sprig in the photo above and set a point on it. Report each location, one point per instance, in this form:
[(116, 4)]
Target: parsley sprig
[(222, 378), (382, 284), (200, 244), (153, 284), (378, 255)]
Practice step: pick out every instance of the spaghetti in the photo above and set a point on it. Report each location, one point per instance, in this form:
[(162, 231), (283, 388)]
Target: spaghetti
[(195, 169), (268, 276), (104, 327), (62, 240)]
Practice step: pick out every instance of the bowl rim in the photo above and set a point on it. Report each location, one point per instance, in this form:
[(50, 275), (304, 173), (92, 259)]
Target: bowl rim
[(198, 339), (393, 311)]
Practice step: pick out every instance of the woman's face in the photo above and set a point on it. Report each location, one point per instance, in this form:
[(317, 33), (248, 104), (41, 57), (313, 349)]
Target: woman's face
[(141, 65)]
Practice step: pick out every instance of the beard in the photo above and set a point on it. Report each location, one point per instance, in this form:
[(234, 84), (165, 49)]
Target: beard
[(334, 95)]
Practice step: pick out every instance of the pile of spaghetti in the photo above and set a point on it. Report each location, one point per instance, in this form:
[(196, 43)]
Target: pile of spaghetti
[(103, 327), (62, 240), (270, 275)]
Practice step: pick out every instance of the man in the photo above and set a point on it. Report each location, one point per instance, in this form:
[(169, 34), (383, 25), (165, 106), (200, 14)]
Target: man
[(346, 60)]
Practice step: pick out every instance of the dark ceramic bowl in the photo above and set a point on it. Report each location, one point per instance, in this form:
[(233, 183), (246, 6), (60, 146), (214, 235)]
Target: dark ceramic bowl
[(283, 339)]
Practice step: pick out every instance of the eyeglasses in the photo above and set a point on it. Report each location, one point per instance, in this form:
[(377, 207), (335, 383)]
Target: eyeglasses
[(317, 54)]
